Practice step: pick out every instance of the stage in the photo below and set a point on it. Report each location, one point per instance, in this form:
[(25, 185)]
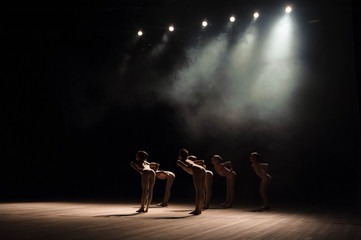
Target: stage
[(84, 220)]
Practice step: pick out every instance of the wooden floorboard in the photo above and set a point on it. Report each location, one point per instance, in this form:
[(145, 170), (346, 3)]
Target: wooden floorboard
[(71, 220)]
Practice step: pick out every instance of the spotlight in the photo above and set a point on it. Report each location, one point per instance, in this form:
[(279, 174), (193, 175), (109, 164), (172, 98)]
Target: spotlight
[(204, 23), (256, 15), (171, 28), (232, 19), (140, 33), (288, 9)]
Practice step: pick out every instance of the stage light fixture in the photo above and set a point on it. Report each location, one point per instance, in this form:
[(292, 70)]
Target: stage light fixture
[(288, 9), (140, 33), (256, 15), (204, 23), (232, 19), (171, 28)]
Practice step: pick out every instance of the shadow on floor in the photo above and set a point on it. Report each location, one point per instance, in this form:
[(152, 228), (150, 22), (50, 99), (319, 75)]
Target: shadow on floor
[(189, 210), (119, 215), (219, 207), (174, 217)]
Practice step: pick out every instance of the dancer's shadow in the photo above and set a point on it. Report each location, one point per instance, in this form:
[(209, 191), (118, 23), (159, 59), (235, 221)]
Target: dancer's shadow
[(219, 207), (120, 215), (174, 217), (260, 210), (181, 211)]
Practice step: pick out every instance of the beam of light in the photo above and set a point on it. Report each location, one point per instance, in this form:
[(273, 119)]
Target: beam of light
[(288, 9), (255, 15), (140, 33), (171, 28), (201, 64), (212, 89), (243, 50), (159, 48), (224, 88), (314, 21), (230, 23), (204, 23), (242, 64), (278, 70), (194, 82)]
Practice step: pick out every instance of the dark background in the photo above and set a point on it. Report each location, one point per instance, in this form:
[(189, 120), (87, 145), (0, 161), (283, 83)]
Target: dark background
[(73, 118)]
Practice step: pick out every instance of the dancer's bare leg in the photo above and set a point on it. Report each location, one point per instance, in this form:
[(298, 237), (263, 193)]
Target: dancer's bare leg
[(147, 176), (231, 179), (263, 192), (199, 179), (209, 183), (145, 186), (169, 184), (227, 193), (150, 189)]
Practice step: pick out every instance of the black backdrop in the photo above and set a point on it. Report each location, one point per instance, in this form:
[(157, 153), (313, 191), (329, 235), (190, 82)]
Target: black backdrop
[(70, 128)]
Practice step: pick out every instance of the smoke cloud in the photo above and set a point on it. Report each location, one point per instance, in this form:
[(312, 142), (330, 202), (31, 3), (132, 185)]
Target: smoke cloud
[(225, 87)]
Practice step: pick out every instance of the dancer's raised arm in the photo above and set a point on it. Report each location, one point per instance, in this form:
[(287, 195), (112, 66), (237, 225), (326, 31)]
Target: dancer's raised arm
[(136, 167)]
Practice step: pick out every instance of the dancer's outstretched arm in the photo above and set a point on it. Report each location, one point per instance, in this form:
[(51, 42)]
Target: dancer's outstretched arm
[(264, 166), (200, 163), (228, 164), (154, 166), (182, 165), (135, 166)]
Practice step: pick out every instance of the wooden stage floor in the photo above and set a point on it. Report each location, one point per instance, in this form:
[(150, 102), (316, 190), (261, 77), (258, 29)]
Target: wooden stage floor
[(76, 220)]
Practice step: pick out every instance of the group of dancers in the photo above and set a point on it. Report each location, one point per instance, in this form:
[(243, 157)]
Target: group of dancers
[(202, 179)]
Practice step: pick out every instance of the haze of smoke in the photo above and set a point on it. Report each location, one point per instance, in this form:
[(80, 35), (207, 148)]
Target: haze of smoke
[(195, 85), (225, 89), (159, 48)]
